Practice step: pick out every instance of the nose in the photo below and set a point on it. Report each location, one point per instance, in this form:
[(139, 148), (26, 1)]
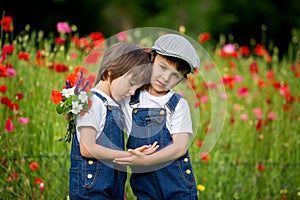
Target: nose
[(166, 76), (131, 91)]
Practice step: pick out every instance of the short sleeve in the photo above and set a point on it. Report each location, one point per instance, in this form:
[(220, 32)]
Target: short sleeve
[(95, 117), (180, 119)]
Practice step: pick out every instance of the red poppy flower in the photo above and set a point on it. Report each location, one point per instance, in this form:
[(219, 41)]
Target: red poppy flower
[(8, 49), (56, 96), (204, 157), (3, 88), (203, 37), (9, 126), (244, 50), (23, 56), (198, 143), (242, 92), (253, 68), (258, 125), (260, 167), (38, 181), (19, 96), (60, 40), (12, 176), (93, 58), (3, 72), (96, 36), (7, 23), (34, 165)]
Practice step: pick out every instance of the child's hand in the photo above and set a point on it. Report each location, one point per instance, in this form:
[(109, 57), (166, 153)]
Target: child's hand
[(138, 155), (148, 149), (67, 117)]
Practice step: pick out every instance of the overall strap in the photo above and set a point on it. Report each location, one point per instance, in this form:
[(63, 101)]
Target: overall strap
[(100, 96), (135, 99), (173, 101)]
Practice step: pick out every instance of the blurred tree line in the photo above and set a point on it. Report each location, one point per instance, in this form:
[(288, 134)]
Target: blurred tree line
[(242, 19)]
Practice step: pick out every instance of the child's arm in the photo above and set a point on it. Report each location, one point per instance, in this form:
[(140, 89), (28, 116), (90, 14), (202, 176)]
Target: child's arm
[(173, 151), (90, 149)]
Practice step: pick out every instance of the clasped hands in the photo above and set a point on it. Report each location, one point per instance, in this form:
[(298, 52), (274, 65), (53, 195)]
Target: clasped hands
[(138, 155)]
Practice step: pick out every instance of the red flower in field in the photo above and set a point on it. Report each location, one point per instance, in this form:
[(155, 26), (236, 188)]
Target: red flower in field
[(228, 50), (40, 57), (6, 101), (203, 37), (253, 68), (93, 58), (56, 96), (204, 157), (228, 80), (8, 49), (12, 176), (38, 181), (59, 67), (258, 125), (60, 40), (244, 50), (7, 23), (243, 92), (270, 75), (3, 72), (260, 84), (296, 70), (63, 27), (260, 50), (260, 167), (198, 143), (73, 55), (232, 120), (232, 65), (19, 96), (285, 197), (96, 36), (276, 85), (3, 88), (34, 165), (23, 56), (9, 126), (81, 43), (72, 79)]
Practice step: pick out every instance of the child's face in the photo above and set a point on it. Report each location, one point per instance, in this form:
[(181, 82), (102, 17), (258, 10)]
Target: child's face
[(123, 87), (164, 76)]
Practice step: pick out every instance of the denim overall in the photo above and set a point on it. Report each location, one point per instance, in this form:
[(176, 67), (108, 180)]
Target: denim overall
[(172, 180), (93, 179)]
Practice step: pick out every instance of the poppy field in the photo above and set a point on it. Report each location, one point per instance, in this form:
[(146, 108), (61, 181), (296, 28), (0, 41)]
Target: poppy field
[(256, 154)]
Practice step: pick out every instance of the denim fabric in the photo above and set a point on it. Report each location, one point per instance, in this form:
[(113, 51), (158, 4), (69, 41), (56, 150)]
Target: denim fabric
[(93, 179), (171, 180)]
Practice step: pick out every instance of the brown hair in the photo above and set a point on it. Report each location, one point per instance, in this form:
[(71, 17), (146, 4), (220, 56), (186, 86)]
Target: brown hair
[(124, 57), (180, 65)]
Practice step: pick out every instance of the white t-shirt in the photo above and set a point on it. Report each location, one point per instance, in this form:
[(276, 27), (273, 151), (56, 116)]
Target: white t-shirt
[(177, 122), (96, 116)]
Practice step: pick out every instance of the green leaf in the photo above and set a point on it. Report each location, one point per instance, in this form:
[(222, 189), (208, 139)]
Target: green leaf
[(60, 108)]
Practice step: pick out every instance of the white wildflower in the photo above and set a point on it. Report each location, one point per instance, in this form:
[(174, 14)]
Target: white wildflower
[(68, 92), (83, 97), (76, 107)]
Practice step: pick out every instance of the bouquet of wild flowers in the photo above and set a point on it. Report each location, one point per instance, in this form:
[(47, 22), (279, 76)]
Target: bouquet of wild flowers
[(73, 100)]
